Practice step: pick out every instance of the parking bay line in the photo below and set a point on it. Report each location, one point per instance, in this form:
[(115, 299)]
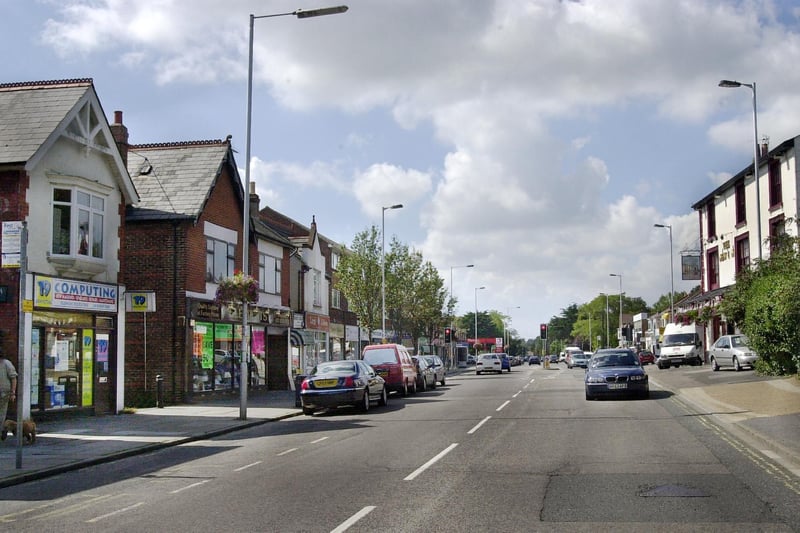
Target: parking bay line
[(433, 460)]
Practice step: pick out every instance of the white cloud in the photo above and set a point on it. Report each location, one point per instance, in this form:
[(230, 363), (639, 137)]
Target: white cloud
[(382, 185)]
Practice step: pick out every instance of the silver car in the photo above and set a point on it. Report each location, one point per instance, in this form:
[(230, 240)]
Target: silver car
[(733, 351)]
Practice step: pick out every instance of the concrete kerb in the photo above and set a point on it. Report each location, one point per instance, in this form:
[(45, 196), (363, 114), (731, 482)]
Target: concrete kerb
[(139, 450)]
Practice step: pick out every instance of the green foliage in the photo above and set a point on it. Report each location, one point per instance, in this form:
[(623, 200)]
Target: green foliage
[(358, 277), (763, 303)]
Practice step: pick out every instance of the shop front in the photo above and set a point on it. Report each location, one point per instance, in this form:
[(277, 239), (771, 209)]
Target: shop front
[(216, 333), (74, 360)]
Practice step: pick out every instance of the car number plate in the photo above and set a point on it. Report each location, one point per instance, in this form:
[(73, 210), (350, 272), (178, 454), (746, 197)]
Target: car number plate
[(326, 383), (615, 386)]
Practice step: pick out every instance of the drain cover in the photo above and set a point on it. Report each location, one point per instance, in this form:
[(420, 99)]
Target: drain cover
[(673, 491)]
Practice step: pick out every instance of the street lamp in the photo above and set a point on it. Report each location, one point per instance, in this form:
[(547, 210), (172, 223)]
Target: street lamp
[(756, 150), (301, 14), (383, 269), (671, 273), (476, 318), (452, 354), (620, 305)]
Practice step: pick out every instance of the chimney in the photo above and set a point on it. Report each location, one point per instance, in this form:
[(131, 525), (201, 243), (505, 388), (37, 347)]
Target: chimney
[(120, 133), (254, 201)]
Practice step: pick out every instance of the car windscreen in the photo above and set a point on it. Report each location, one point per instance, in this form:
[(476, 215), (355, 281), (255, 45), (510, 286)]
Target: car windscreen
[(622, 359), (680, 339), (380, 356), (740, 341)]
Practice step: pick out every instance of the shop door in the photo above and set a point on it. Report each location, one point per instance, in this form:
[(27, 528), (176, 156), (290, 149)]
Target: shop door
[(104, 374)]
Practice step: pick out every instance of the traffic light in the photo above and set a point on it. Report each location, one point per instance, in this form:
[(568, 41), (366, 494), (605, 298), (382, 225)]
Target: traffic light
[(448, 335), (543, 331)]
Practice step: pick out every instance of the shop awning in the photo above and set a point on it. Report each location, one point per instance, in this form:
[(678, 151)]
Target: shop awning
[(301, 337)]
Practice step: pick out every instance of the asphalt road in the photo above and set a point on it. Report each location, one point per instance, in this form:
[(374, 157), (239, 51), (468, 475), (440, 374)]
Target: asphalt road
[(514, 452)]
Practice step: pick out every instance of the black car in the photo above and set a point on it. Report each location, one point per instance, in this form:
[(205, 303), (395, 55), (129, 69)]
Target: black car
[(615, 372), (533, 360), (337, 383)]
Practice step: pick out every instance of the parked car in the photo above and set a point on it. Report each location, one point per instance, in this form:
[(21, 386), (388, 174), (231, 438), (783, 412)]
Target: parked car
[(335, 383), (488, 362), (646, 357), (471, 360), (615, 371), (393, 363), (733, 351), (438, 368), (533, 360), (505, 361), (554, 358), (426, 377), (576, 358)]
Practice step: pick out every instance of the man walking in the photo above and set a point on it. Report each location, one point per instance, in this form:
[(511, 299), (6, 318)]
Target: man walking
[(8, 386)]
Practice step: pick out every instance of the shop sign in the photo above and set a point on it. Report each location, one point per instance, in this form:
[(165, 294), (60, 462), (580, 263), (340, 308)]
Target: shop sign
[(298, 320), (59, 293), (11, 244), (318, 322), (206, 310)]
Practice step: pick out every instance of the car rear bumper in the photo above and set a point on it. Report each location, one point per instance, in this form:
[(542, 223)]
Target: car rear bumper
[(331, 398)]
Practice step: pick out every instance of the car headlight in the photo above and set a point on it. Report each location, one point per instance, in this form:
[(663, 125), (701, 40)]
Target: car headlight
[(642, 377), (595, 379)]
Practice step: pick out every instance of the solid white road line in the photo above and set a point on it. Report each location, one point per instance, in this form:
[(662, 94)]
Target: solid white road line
[(353, 519), (176, 491), (504, 404), (424, 467), (478, 425), (290, 450), (318, 440)]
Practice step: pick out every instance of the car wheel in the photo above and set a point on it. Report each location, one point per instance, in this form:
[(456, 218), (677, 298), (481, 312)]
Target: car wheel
[(644, 395), (714, 365), (736, 364), (384, 399), (364, 406), (478, 372), (433, 385), (308, 411), (405, 388), (414, 388), (442, 382), (589, 397), (424, 386)]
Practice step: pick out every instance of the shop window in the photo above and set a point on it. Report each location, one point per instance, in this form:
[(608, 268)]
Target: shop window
[(78, 223), (215, 359), (62, 369)]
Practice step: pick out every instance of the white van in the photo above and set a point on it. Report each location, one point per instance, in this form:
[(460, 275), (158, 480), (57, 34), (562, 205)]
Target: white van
[(682, 345)]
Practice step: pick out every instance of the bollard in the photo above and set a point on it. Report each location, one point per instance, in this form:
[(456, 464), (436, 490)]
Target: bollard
[(159, 391)]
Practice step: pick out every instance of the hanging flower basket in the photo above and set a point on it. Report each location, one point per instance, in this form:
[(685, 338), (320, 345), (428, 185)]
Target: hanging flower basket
[(239, 288)]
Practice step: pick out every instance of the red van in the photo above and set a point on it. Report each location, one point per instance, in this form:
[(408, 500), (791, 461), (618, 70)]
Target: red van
[(393, 363)]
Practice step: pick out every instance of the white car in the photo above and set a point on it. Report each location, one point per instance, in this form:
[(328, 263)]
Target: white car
[(488, 362)]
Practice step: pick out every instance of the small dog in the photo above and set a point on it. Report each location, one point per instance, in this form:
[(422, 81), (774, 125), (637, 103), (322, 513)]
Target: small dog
[(28, 430)]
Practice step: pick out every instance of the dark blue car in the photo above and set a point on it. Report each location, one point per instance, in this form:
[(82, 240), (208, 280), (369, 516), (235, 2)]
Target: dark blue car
[(505, 362), (615, 372)]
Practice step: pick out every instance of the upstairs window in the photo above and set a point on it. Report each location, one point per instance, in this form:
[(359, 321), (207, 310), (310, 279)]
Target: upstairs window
[(334, 260), (78, 223), (317, 284), (742, 253), (336, 299), (741, 204), (711, 219), (775, 188), (269, 274), (220, 259), (713, 269)]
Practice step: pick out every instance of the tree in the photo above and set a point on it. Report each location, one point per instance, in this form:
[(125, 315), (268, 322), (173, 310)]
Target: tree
[(763, 303), (358, 277)]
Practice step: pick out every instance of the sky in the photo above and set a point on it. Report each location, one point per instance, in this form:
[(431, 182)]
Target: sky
[(538, 140)]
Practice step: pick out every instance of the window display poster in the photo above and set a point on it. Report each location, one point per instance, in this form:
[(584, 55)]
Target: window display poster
[(86, 367), (35, 366), (62, 355), (206, 329), (102, 348), (257, 341)]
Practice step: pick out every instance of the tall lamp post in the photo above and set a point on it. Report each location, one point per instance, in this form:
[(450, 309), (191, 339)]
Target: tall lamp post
[(301, 14), (452, 341), (476, 318), (383, 269), (756, 150), (620, 305), (671, 273)]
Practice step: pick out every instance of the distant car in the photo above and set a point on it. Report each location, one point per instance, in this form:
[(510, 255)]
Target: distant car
[(488, 362), (393, 363), (575, 358), (615, 372), (438, 368), (426, 377), (553, 358), (533, 360), (646, 357), (336, 383), (471, 360), (733, 351), (505, 361)]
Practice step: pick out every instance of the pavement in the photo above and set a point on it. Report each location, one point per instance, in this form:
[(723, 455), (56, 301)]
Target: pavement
[(768, 411)]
